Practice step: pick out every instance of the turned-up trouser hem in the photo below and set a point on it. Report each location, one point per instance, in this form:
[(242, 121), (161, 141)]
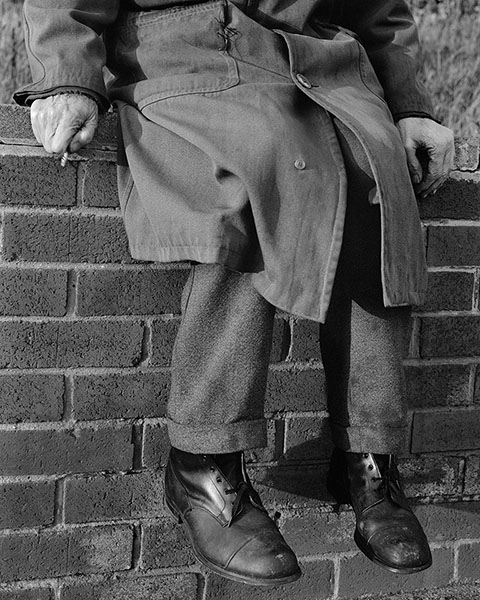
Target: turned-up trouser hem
[(220, 359)]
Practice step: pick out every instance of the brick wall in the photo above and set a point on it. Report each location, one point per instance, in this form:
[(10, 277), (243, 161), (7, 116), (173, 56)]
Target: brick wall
[(86, 335)]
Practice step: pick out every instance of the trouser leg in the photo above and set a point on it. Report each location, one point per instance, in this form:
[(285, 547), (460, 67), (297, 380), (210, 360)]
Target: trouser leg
[(363, 343), (220, 364)]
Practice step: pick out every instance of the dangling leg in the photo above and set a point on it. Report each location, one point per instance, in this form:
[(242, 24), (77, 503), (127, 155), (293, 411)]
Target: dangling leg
[(219, 372), (363, 345)]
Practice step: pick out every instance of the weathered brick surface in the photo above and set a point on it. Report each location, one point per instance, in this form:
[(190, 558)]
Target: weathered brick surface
[(449, 290), (36, 180), (360, 576), (453, 246), (443, 430), (316, 582), (26, 504), (33, 292), (73, 238), (26, 344), (163, 338), (467, 153), (438, 385), (30, 398), (308, 438), (305, 341), (450, 522), (142, 291), (469, 561), (77, 451), (165, 545), (43, 593), (432, 476), (456, 199), (26, 556), (121, 395), (160, 587), (472, 475), (450, 336), (98, 184), (114, 497), (156, 446), (295, 390)]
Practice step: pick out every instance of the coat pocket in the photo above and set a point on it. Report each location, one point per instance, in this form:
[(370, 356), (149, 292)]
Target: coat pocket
[(172, 52)]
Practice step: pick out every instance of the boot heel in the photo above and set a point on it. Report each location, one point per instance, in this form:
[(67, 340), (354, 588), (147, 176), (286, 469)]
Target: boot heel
[(176, 516)]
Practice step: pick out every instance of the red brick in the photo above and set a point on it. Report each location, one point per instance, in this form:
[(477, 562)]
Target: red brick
[(453, 246), (450, 522), (305, 341), (313, 532), (476, 392), (291, 486), (437, 385), (160, 587), (121, 395), (316, 583), (113, 497), (31, 398), (295, 390), (26, 504), (32, 179), (28, 344), (472, 476), (456, 199), (308, 438), (126, 292), (358, 576), (58, 553), (450, 336), (431, 476), (469, 561), (446, 430), (81, 450), (156, 446), (42, 593), (33, 292), (163, 338), (467, 153), (449, 290), (274, 448), (98, 184), (65, 238), (165, 544)]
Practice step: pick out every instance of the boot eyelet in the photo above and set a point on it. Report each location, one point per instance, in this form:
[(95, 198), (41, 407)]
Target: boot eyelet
[(219, 480), (370, 467)]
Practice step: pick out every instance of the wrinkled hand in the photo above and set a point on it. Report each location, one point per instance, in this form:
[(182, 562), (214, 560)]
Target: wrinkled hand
[(65, 122), (430, 152)]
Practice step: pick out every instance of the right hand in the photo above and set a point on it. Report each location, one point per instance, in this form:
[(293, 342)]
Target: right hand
[(64, 122)]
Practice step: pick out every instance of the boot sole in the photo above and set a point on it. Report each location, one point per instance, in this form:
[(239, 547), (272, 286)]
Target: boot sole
[(223, 572)]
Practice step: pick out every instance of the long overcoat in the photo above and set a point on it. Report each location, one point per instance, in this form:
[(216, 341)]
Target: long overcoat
[(228, 151)]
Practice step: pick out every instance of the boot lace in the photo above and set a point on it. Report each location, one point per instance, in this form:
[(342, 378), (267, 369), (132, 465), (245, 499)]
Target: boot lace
[(241, 489)]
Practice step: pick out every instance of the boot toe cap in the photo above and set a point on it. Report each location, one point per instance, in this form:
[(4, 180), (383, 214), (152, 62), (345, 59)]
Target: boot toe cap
[(401, 550)]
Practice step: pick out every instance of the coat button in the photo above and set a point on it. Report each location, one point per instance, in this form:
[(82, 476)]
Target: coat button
[(303, 81), (299, 164)]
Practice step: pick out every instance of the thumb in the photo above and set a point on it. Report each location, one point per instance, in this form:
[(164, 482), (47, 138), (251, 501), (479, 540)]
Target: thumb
[(414, 166)]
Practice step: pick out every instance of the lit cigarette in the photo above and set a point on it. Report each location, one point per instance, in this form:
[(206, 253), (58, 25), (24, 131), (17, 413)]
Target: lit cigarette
[(64, 159)]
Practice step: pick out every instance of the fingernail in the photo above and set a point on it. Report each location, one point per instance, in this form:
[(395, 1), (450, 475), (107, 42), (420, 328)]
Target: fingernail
[(416, 178)]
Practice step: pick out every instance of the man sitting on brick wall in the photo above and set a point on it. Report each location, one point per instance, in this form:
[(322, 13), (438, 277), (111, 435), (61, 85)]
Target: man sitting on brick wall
[(273, 146)]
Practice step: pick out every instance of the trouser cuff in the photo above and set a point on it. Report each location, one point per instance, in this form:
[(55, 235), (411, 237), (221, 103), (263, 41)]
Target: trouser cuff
[(377, 440), (229, 437)]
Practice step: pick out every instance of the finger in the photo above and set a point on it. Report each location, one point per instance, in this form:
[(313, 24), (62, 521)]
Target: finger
[(433, 187), (414, 165), (83, 137), (60, 139)]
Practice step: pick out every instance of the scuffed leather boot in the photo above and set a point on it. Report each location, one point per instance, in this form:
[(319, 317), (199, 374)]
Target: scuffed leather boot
[(387, 531), (230, 531)]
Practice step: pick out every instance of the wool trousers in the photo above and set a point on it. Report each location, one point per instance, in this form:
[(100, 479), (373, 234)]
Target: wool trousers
[(221, 354)]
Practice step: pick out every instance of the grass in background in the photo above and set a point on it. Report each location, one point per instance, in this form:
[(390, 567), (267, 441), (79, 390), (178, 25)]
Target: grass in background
[(449, 30)]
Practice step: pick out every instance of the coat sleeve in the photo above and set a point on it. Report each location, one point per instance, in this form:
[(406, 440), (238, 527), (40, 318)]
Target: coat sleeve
[(65, 47), (389, 34)]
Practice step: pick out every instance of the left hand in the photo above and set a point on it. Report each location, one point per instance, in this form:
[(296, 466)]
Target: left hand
[(423, 136)]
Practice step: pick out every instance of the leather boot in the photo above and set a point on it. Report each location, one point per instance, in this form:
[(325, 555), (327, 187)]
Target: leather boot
[(230, 531), (387, 531)]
